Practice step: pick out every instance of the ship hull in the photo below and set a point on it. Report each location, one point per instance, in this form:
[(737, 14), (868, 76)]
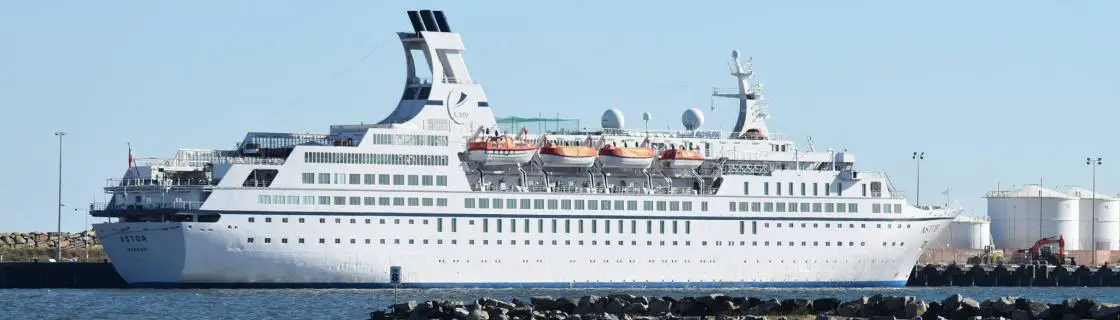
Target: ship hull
[(217, 255)]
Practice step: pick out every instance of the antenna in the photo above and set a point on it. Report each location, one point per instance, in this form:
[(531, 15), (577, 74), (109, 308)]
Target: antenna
[(811, 148), (645, 117)]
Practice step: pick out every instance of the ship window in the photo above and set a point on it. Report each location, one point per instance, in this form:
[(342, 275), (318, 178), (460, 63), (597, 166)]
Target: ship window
[(756, 207), (300, 220), (647, 205), (338, 200), (538, 203), (308, 178), (355, 178), (368, 221), (579, 204), (354, 201), (742, 227), (441, 202), (441, 180), (454, 225), (552, 204), (426, 180), (852, 207), (398, 179), (802, 189), (703, 206), (778, 188), (632, 205), (485, 225), (618, 205), (827, 188), (633, 227), (816, 207), (746, 188), (565, 204), (339, 178), (322, 220), (383, 179), (525, 203), (553, 226), (875, 207), (674, 227), (754, 227), (594, 226), (897, 208), (887, 208), (814, 189), (791, 188), (369, 178), (661, 206), (686, 206), (413, 180), (511, 203), (768, 207), (781, 207), (765, 188), (662, 223), (321, 240), (567, 226), (580, 226), (840, 207), (369, 201), (309, 200), (250, 240), (413, 202), (427, 202), (324, 178)]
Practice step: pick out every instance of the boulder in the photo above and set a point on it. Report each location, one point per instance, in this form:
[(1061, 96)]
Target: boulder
[(825, 305)]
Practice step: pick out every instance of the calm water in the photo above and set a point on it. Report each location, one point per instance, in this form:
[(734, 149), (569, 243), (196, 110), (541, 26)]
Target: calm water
[(356, 304)]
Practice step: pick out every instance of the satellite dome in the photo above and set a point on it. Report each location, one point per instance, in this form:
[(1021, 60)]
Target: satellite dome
[(646, 116), (612, 119), (735, 54), (692, 119)]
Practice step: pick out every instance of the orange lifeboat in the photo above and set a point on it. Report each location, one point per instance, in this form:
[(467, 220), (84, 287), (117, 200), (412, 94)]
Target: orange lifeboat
[(681, 158), (567, 156), (500, 150), (613, 156)]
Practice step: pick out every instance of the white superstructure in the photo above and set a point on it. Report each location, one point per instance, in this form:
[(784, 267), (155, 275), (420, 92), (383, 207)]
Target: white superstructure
[(436, 195)]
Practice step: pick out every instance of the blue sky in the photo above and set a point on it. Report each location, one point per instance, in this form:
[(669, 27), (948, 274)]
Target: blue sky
[(993, 91)]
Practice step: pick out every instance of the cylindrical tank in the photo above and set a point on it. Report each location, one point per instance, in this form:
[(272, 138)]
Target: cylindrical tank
[(1105, 228), (966, 232), (1022, 216)]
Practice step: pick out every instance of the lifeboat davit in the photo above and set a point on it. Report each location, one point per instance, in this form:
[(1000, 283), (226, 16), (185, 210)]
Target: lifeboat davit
[(500, 150), (554, 156), (612, 156), (681, 159)]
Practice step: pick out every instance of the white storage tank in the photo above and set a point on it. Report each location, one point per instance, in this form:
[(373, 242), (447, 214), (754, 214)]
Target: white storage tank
[(966, 232), (1022, 216), (1107, 222)]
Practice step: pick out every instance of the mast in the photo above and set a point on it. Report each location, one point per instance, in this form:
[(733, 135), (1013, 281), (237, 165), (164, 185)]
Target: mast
[(751, 122)]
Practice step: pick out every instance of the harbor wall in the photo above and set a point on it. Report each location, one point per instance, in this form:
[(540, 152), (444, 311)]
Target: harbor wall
[(41, 246), (78, 275)]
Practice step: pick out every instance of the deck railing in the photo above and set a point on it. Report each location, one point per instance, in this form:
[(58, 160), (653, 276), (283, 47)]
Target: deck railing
[(157, 182), (178, 205)]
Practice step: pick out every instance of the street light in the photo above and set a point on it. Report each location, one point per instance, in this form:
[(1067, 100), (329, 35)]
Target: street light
[(1089, 161), (58, 245), (918, 156)]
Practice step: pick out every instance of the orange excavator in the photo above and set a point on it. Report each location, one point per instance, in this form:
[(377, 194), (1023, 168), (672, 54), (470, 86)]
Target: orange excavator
[(1043, 251)]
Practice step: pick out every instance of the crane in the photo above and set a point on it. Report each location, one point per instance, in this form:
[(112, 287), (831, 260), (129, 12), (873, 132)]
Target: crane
[(1042, 251)]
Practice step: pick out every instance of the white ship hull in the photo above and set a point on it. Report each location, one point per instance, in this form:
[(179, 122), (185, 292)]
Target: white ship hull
[(193, 254)]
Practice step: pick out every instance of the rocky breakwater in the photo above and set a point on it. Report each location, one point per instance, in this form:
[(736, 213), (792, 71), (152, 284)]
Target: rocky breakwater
[(624, 306), (26, 246)]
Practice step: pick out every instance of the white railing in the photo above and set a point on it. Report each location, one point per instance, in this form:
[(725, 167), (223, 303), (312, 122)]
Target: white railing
[(458, 80), (178, 205), (581, 189), (156, 182), (203, 160)]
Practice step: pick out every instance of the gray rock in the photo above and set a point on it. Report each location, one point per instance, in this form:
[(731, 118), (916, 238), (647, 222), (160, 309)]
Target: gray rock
[(764, 308), (1105, 311), (460, 313), (797, 306), (913, 308), (659, 307), (1035, 309), (953, 302), (542, 302), (1020, 315), (564, 304), (402, 309), (825, 305), (616, 306), (637, 308), (478, 314)]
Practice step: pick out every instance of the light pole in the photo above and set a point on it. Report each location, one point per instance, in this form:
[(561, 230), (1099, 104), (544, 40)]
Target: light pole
[(918, 156), (1089, 161), (58, 245)]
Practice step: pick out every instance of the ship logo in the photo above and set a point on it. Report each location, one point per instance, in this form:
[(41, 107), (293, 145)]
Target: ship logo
[(456, 99)]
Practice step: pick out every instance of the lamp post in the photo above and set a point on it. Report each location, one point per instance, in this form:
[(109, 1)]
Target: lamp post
[(918, 156), (1094, 163), (58, 245)]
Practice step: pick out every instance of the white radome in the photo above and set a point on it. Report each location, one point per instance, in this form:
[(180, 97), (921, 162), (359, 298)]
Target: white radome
[(612, 119), (692, 119)]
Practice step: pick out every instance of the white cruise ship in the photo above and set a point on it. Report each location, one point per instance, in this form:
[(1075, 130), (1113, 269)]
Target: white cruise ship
[(441, 194)]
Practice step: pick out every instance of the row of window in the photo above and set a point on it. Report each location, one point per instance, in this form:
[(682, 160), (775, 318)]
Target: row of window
[(379, 179), (604, 242), (829, 188), (353, 201), (744, 206), (409, 139), (754, 225), (580, 204), (376, 158)]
